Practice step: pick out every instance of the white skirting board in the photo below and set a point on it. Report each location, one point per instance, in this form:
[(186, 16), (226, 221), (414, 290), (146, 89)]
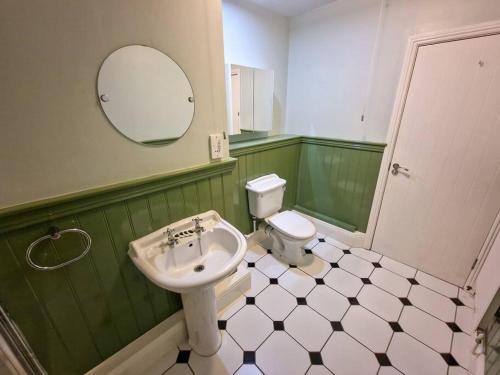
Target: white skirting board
[(152, 346), (353, 239)]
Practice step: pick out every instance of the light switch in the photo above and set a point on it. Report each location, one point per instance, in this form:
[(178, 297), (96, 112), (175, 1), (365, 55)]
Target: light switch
[(216, 146)]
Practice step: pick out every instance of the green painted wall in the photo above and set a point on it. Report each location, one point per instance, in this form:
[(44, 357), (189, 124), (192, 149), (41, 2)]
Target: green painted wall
[(77, 316), (337, 181)]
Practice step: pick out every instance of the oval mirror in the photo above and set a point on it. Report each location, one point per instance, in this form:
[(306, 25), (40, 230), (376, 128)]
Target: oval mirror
[(145, 95)]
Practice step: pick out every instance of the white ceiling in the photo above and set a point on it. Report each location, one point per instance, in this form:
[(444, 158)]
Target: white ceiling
[(290, 8)]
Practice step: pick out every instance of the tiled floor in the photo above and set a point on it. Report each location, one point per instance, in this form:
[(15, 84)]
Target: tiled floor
[(347, 311)]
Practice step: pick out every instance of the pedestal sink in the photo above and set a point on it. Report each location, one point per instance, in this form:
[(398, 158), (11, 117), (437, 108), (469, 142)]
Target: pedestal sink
[(189, 257)]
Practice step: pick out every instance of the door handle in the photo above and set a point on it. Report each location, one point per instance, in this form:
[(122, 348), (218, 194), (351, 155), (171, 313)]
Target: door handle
[(396, 168)]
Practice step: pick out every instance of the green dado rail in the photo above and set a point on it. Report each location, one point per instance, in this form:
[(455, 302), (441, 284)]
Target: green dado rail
[(79, 315)]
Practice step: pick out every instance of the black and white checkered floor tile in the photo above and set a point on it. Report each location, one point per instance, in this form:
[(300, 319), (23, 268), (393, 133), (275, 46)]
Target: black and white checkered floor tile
[(347, 311)]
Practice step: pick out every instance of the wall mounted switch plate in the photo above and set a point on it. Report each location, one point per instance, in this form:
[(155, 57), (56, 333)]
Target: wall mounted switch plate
[(216, 146)]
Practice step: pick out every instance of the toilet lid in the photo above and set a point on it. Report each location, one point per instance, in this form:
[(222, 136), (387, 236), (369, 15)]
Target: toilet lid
[(292, 225)]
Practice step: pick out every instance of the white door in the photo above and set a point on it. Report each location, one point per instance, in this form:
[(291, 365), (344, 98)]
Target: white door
[(437, 216)]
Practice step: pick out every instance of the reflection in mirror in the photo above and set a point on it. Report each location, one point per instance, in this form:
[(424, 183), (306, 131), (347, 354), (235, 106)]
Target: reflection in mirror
[(145, 95), (250, 93)]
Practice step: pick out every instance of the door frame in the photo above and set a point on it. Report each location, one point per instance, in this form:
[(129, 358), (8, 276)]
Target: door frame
[(414, 43)]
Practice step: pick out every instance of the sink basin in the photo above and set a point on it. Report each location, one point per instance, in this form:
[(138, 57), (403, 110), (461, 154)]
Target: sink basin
[(191, 263), (196, 260)]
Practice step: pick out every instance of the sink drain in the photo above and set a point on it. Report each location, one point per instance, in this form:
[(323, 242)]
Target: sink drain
[(199, 268)]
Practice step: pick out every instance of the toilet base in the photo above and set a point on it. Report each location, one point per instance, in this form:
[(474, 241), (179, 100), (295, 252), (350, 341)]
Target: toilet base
[(288, 250)]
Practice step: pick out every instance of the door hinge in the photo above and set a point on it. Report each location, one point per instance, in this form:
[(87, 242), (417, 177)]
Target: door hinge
[(474, 264)]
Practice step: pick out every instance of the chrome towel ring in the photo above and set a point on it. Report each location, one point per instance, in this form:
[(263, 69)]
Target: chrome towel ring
[(55, 234)]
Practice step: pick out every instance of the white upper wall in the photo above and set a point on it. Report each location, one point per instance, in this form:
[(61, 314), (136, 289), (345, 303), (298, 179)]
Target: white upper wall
[(329, 60), (55, 138), (330, 84), (258, 38)]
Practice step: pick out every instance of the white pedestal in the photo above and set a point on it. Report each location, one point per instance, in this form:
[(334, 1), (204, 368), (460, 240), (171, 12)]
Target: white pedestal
[(201, 320)]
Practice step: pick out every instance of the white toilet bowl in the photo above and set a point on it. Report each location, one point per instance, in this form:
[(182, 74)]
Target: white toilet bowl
[(288, 230)]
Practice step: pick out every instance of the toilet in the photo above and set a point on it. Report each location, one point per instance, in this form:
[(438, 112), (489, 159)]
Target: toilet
[(288, 230)]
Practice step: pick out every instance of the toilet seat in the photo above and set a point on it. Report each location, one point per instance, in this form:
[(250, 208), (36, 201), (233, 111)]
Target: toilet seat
[(292, 225)]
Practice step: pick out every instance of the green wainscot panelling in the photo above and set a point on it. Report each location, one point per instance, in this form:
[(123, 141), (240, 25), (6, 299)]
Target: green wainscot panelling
[(337, 180), (330, 179), (77, 316)]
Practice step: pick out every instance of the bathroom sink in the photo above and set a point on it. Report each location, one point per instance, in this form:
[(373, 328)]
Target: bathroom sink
[(189, 257), (197, 260)]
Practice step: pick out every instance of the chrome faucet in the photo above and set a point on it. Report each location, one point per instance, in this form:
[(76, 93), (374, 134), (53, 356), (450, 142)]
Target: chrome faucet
[(171, 240), (197, 227)]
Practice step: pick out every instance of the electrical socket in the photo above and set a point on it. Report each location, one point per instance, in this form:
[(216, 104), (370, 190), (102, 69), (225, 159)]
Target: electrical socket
[(216, 146)]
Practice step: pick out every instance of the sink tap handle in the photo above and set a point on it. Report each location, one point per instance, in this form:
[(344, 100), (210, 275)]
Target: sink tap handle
[(171, 240), (197, 227)]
